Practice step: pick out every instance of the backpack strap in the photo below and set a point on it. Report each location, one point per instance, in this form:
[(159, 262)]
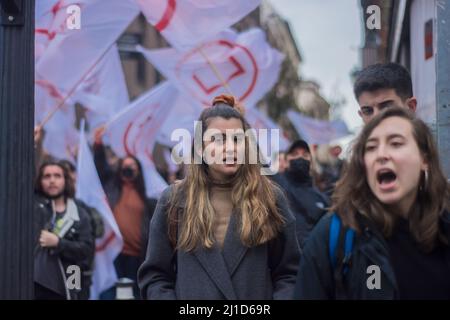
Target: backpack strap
[(349, 236), (335, 227), (340, 251)]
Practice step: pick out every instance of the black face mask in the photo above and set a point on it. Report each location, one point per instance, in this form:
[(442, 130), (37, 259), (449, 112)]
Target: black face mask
[(299, 169), (128, 173)]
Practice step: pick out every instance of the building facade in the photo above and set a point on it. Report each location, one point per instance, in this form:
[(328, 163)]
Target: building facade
[(416, 34)]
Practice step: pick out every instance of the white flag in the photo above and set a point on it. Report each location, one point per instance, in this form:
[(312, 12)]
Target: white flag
[(72, 54), (258, 120), (154, 183), (184, 112), (244, 62), (51, 19), (50, 23), (61, 137), (90, 191), (185, 23), (135, 129), (104, 91), (46, 98), (316, 131)]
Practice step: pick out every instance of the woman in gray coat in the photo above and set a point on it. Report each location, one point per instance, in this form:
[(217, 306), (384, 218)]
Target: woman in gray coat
[(225, 231)]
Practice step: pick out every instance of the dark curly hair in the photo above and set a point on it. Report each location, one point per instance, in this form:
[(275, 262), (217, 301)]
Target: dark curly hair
[(69, 190), (384, 76)]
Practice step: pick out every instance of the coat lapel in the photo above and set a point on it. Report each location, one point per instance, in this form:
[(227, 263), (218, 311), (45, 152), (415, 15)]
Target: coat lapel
[(70, 217), (220, 266), (214, 264), (233, 250)]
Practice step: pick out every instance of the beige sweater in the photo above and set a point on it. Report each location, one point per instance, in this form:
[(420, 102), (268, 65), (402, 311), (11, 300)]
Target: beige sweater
[(220, 196)]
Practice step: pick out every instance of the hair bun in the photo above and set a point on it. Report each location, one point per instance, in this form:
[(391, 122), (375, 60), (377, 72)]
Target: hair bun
[(229, 100), (224, 98)]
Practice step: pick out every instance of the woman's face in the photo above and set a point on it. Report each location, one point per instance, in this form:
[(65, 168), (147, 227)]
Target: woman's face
[(224, 146), (394, 163)]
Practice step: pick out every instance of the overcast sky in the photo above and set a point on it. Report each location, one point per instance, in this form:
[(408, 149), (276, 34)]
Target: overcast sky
[(329, 35)]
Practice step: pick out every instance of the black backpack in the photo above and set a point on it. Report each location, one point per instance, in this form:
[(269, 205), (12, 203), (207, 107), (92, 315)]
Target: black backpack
[(98, 227)]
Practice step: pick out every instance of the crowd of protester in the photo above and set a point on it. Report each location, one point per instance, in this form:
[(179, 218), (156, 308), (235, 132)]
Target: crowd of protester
[(373, 226)]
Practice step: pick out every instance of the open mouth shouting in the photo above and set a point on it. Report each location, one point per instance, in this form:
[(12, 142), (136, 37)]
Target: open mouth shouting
[(387, 179)]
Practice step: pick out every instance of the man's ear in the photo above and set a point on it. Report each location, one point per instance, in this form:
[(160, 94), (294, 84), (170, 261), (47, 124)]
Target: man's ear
[(412, 103)]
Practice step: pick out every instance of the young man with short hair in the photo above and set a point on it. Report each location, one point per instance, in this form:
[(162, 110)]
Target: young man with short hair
[(383, 85)]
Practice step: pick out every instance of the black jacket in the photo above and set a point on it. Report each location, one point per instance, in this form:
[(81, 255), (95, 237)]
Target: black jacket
[(315, 278), (266, 271), (307, 203), (76, 247), (112, 190)]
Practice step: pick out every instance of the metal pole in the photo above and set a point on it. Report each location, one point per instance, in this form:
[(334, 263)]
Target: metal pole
[(16, 148), (443, 82)]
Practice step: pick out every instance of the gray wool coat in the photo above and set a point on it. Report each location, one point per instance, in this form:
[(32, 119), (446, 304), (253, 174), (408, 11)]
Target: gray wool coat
[(267, 271)]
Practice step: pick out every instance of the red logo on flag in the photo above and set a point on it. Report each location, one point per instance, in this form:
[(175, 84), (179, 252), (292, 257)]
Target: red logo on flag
[(142, 128), (167, 15), (238, 70)]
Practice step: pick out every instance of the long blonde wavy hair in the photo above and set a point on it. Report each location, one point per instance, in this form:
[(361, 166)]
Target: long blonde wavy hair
[(253, 196)]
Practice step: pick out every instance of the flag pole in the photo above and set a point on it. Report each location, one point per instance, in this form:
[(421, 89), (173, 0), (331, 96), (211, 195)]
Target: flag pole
[(77, 84), (216, 72)]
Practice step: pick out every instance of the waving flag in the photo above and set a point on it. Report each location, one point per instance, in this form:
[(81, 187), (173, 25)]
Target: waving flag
[(184, 112), (72, 54), (61, 137), (258, 120), (135, 130), (244, 62), (185, 23), (316, 131), (154, 183), (90, 191), (104, 91), (50, 20)]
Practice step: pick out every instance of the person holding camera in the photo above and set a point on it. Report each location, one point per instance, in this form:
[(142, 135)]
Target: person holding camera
[(125, 190)]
